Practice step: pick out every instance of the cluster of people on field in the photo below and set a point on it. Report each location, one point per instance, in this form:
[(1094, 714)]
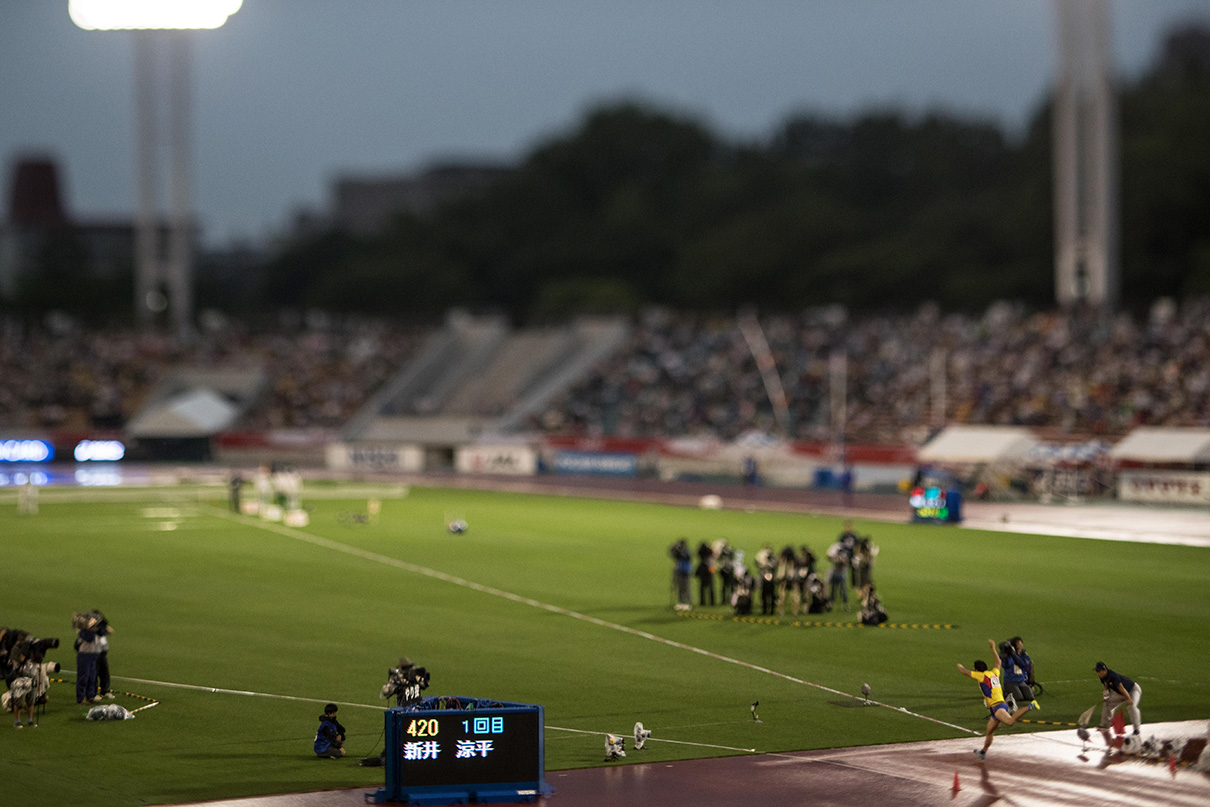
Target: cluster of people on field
[(792, 579), (1009, 688), (27, 672)]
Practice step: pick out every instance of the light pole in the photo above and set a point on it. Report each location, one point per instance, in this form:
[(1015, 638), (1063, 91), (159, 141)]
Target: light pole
[(163, 278), (1085, 158)]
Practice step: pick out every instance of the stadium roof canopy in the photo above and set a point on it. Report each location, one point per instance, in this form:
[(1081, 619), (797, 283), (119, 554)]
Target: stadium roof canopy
[(977, 444), (1163, 445), (194, 413)]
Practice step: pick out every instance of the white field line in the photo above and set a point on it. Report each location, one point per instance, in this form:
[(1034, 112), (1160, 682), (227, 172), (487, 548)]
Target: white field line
[(250, 693), (244, 692), (325, 543), (656, 739)]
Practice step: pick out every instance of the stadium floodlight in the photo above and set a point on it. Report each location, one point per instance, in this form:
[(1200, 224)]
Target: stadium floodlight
[(125, 15), (160, 25)]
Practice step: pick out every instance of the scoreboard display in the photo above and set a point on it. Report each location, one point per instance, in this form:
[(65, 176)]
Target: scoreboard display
[(471, 748), (935, 505)]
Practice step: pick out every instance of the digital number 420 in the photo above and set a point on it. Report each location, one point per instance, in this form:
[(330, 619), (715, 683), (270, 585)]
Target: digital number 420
[(423, 728)]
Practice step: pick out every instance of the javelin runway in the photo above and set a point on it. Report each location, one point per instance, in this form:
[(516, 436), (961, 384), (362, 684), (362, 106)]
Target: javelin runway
[(1024, 770)]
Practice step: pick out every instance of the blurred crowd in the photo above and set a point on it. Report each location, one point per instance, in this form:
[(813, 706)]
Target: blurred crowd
[(63, 376), (1072, 371)]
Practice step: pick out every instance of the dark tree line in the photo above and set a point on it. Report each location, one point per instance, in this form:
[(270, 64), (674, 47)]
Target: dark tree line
[(887, 210)]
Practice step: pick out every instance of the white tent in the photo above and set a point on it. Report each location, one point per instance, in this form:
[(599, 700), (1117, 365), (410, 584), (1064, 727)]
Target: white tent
[(1164, 445), (194, 413), (977, 444)]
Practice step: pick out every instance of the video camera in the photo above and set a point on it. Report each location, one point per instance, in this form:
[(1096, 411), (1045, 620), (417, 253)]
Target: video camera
[(87, 620), (18, 646), (21, 641), (405, 682)]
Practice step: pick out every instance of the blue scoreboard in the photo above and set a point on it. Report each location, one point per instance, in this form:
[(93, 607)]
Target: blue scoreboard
[(451, 750)]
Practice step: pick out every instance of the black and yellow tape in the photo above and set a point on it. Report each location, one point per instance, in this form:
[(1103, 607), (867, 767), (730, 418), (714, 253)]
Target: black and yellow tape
[(798, 623), (150, 701), (1049, 723)]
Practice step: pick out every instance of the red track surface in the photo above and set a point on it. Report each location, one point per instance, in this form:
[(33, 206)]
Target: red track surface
[(1050, 769)]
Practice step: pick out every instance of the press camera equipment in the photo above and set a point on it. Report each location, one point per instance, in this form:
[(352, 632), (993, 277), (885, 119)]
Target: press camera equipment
[(640, 736), (85, 620), (405, 683), (18, 645), (615, 746)]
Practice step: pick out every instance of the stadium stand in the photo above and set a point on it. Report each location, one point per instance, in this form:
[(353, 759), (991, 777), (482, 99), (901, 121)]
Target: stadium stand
[(69, 377), (672, 374), (1068, 371), (476, 374)]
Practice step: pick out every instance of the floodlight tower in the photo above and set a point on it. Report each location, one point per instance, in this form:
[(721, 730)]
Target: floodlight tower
[(1085, 139), (163, 278)]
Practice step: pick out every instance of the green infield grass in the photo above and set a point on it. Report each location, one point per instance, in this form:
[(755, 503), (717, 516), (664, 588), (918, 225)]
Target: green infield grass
[(558, 601)]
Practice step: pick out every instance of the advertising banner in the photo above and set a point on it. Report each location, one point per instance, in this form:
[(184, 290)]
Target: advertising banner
[(593, 464), (374, 457), (513, 460), (1168, 487)]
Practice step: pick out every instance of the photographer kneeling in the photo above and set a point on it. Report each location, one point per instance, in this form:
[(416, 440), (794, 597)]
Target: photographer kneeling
[(1018, 671), (330, 739)]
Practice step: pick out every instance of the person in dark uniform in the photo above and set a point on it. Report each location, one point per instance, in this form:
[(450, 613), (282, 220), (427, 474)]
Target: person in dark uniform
[(705, 574), (235, 485), (104, 629), (1119, 691), (682, 566), (329, 740), (766, 565)]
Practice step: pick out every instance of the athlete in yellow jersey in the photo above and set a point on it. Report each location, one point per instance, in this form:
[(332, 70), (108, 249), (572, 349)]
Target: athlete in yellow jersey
[(993, 698)]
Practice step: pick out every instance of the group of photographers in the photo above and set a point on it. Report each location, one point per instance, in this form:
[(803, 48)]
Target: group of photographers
[(783, 579), (27, 672)]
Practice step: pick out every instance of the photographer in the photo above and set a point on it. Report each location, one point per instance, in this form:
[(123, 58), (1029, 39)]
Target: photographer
[(786, 576), (766, 565), (103, 631), (744, 586), (88, 648), (329, 740), (9, 638), (1018, 671), (405, 682), (14, 644), (872, 610), (705, 574), (728, 575), (22, 682), (682, 567), (817, 602)]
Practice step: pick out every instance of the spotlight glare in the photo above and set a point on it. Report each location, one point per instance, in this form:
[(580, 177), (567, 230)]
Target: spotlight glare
[(119, 15)]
